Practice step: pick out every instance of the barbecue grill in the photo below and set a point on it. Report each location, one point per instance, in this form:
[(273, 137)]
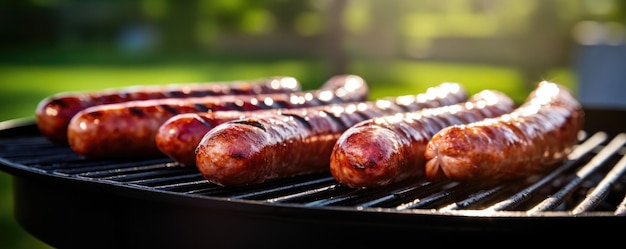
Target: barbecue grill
[(68, 201)]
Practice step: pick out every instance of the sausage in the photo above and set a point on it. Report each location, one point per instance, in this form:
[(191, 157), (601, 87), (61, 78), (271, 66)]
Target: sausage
[(390, 149), (128, 130), (533, 139), (264, 147), (179, 136), (53, 113)]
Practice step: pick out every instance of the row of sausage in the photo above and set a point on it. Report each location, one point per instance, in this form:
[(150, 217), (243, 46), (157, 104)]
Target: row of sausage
[(247, 132)]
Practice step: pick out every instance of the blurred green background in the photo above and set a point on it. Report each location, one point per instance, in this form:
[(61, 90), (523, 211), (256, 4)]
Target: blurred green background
[(397, 46)]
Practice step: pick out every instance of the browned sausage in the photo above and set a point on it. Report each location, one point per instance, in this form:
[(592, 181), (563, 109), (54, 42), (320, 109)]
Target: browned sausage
[(53, 113), (534, 138), (390, 149), (264, 147), (128, 130), (179, 136)]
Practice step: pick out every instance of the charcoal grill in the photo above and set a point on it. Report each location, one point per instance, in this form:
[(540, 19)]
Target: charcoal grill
[(68, 201)]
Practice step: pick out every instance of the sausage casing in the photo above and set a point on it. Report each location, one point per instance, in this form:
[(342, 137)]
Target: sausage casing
[(179, 136), (533, 139), (128, 130), (294, 142), (390, 149), (53, 113)]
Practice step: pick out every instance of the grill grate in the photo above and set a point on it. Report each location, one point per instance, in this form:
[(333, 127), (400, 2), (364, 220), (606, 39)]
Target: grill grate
[(592, 182)]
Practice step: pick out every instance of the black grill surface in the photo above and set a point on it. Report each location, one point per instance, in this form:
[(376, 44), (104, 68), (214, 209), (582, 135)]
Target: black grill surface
[(592, 182), (585, 192)]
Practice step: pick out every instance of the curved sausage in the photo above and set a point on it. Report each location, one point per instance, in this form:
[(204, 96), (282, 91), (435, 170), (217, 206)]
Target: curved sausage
[(179, 136), (53, 113), (534, 138), (128, 130), (294, 142), (390, 149)]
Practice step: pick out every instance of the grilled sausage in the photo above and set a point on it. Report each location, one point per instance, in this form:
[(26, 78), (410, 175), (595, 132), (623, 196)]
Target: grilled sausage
[(128, 130), (53, 114), (295, 142), (534, 138), (179, 136), (390, 149)]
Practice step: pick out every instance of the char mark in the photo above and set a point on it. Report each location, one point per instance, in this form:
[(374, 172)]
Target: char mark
[(136, 112), (202, 108), (300, 119), (234, 106), (170, 109), (338, 120), (251, 122), (59, 102)]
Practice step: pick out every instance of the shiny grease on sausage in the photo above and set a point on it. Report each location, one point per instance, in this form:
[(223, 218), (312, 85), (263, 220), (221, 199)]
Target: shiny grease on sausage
[(128, 130), (53, 113), (534, 138), (179, 136), (294, 142), (390, 149)]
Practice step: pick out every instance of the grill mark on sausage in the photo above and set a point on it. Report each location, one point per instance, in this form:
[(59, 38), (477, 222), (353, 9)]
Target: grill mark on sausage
[(262, 106), (201, 107), (363, 115), (251, 122), (173, 94), (236, 92), (169, 109), (235, 106), (202, 121), (136, 112), (333, 100), (278, 105), (404, 108), (337, 120), (299, 119), (95, 114), (60, 103)]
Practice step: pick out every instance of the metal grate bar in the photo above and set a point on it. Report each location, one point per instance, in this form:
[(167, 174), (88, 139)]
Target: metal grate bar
[(186, 187), (621, 208), (425, 202), (163, 178), (120, 169), (50, 161), (94, 168), (474, 198), (282, 188), (557, 198), (602, 189), (302, 195), (395, 195), (419, 196), (335, 199), (388, 195)]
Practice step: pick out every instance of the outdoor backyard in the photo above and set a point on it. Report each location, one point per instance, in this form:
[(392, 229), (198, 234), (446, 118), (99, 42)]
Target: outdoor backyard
[(399, 49)]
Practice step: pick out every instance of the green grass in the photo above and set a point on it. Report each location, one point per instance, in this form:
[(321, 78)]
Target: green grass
[(23, 86)]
